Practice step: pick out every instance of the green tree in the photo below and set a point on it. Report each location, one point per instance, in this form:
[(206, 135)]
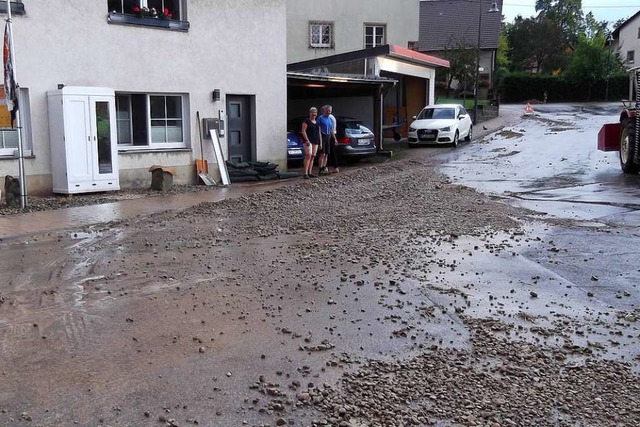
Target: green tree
[(592, 62), (587, 64), (619, 22), (537, 46), (593, 29), (462, 62), (502, 55), (567, 14)]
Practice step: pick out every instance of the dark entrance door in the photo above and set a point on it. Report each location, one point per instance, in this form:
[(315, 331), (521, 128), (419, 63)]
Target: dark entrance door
[(239, 128)]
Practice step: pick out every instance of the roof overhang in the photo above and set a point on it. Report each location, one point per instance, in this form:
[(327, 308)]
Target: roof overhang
[(322, 79), (616, 32), (414, 57), (309, 85), (392, 65), (390, 58)]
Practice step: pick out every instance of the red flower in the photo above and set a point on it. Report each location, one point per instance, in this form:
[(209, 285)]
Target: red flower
[(166, 13), (136, 9)]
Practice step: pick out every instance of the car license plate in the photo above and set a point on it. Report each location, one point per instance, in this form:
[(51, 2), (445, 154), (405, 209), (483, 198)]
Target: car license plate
[(364, 141), (427, 134)]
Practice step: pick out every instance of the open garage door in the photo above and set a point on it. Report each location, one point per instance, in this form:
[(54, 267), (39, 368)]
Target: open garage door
[(357, 97)]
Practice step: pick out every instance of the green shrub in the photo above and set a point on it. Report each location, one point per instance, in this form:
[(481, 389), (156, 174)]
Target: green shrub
[(523, 87)]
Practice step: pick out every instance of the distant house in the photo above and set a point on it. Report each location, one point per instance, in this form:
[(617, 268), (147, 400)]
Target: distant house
[(135, 80), (453, 24), (627, 41)]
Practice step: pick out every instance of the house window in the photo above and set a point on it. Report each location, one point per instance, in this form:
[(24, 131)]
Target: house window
[(8, 132), (169, 14), (150, 121), (132, 7), (17, 8), (321, 34), (631, 56), (374, 35), (8, 140)]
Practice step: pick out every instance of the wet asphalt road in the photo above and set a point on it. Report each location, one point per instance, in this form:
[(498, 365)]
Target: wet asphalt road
[(549, 163), (247, 313)]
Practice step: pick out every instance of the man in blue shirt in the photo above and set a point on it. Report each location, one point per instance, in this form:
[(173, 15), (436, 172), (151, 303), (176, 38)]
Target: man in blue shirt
[(328, 130)]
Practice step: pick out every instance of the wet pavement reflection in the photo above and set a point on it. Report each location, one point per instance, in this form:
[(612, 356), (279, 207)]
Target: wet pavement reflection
[(36, 222), (549, 163)]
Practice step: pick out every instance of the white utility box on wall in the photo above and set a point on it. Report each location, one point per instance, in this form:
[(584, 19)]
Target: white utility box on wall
[(83, 138)]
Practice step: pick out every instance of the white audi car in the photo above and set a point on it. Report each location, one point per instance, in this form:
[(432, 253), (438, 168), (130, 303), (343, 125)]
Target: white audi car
[(440, 124)]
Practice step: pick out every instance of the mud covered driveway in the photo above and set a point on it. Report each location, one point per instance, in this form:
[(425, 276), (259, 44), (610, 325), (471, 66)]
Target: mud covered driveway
[(382, 296)]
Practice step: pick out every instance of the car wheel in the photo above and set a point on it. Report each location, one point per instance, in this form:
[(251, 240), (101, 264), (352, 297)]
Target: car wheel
[(469, 135), (628, 147), (456, 139)]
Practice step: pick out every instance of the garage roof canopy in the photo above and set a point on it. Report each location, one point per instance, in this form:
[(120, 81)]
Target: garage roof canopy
[(309, 85), (339, 78), (370, 62)]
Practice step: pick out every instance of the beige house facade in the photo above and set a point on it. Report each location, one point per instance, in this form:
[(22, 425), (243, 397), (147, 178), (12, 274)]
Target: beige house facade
[(330, 27), (160, 69)]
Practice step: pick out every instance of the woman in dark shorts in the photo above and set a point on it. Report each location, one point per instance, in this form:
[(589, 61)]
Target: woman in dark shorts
[(311, 141)]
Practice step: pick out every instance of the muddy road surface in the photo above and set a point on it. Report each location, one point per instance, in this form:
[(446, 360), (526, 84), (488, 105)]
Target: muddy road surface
[(381, 296)]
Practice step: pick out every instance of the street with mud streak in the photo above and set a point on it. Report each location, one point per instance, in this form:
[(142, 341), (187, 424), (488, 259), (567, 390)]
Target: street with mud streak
[(388, 295)]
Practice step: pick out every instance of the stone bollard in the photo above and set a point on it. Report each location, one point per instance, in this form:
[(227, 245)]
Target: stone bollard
[(161, 177), (12, 191)]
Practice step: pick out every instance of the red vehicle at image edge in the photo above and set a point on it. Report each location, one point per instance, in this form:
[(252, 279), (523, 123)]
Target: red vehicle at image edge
[(624, 136)]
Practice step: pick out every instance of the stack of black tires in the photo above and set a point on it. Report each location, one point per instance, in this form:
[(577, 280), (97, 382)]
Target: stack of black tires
[(255, 171)]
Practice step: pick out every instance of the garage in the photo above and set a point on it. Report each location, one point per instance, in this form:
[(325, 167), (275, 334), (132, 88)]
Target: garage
[(350, 96), (382, 86)]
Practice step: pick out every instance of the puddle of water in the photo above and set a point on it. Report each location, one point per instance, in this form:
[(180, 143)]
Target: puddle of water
[(81, 235), (494, 278), (591, 224), (78, 296), (78, 290)]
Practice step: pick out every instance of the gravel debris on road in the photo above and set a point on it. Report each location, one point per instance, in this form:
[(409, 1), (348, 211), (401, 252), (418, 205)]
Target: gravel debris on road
[(349, 300)]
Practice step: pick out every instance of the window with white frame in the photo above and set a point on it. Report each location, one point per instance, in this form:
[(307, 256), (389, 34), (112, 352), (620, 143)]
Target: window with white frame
[(631, 54), (17, 7), (150, 121), (321, 34), (8, 131), (168, 9), (374, 35), (8, 141)]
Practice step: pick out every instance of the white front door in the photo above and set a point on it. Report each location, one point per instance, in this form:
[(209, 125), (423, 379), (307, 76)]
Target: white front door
[(80, 157)]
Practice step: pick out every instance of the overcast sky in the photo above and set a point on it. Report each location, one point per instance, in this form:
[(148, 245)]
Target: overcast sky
[(603, 10)]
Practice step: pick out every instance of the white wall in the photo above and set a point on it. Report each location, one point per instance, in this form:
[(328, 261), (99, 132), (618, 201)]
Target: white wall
[(628, 40), (400, 16), (70, 42)]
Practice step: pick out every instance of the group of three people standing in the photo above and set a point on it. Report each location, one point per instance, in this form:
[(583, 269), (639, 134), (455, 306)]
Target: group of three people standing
[(319, 139)]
